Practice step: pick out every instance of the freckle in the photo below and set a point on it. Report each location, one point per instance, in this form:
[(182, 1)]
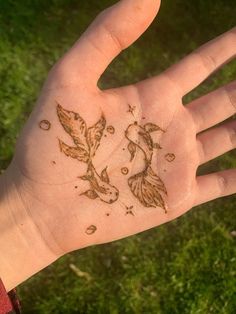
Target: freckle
[(105, 135), (123, 149), (143, 118), (76, 187), (107, 214), (53, 162), (164, 170)]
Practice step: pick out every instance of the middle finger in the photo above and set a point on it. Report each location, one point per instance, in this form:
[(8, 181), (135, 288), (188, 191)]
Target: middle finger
[(214, 107)]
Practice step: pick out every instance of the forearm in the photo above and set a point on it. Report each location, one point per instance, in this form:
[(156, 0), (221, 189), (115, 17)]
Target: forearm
[(22, 250)]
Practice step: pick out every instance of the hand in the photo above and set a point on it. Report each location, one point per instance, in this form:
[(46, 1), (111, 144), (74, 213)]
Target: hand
[(93, 166)]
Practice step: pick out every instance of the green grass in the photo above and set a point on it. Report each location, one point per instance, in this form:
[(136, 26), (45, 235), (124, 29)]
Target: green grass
[(186, 266)]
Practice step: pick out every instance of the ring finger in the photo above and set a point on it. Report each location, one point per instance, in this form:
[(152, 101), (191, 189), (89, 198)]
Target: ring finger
[(217, 141)]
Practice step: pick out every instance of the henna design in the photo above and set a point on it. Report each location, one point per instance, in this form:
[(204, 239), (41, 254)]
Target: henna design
[(129, 210), (91, 229), (111, 129), (87, 141), (124, 171), (131, 109), (146, 186), (170, 157), (45, 125)]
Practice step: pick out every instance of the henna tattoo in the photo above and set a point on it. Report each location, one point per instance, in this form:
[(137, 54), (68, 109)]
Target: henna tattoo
[(91, 229), (45, 125), (131, 110), (124, 171), (146, 186), (111, 129), (129, 210), (87, 141), (170, 157)]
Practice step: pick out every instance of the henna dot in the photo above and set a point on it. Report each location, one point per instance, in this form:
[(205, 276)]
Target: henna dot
[(45, 125), (111, 129), (91, 229), (170, 157), (124, 170)]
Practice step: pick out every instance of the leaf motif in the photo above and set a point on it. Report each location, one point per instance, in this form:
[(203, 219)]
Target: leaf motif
[(90, 194), (151, 127), (95, 133), (132, 149), (74, 152), (104, 176), (74, 125)]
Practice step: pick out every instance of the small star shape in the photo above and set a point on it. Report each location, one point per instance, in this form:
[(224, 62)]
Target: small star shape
[(131, 109)]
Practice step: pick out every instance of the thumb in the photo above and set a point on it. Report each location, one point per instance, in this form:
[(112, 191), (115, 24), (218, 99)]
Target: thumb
[(113, 30)]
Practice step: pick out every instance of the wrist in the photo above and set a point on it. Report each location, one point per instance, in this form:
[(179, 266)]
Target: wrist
[(23, 250)]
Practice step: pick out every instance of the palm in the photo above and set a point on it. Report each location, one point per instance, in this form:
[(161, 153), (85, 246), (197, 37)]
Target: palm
[(54, 176)]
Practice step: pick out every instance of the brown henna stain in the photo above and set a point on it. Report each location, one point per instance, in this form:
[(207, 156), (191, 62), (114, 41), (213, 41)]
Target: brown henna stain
[(131, 109), (170, 157), (45, 125), (146, 185), (86, 142), (111, 129), (91, 229), (124, 171), (129, 210)]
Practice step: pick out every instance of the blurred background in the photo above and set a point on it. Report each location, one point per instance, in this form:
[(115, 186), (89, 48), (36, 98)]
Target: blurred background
[(186, 266)]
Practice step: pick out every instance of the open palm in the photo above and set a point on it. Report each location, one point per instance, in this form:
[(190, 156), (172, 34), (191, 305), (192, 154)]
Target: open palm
[(93, 166)]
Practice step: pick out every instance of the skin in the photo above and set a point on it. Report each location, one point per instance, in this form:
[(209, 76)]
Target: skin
[(42, 216)]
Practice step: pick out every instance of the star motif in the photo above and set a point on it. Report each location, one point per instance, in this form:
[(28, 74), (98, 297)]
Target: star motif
[(131, 110)]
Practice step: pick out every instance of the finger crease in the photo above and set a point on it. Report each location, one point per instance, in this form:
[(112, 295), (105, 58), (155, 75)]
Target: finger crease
[(114, 38)]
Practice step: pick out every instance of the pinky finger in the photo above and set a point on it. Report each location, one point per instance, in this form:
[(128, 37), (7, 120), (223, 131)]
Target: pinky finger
[(215, 185)]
